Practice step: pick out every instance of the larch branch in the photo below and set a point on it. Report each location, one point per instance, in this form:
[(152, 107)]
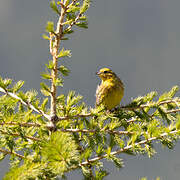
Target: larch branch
[(18, 135), (11, 153), (125, 148), (28, 104)]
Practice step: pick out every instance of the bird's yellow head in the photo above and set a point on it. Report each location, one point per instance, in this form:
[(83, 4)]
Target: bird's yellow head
[(106, 74)]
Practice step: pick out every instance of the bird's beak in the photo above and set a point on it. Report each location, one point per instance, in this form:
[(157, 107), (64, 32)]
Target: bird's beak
[(98, 73)]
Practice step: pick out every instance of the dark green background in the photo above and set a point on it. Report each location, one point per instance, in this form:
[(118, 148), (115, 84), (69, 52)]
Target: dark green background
[(138, 39)]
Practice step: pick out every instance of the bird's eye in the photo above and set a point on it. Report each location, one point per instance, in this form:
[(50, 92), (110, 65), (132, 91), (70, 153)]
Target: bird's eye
[(105, 72)]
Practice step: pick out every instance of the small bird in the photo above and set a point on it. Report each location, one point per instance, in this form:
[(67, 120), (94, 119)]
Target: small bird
[(111, 90)]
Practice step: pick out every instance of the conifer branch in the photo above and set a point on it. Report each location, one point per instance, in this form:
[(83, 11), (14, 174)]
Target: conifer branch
[(74, 22), (173, 111), (72, 3), (18, 135), (126, 148), (95, 131), (20, 124), (11, 153), (77, 17), (27, 104), (166, 112), (151, 104), (54, 47), (127, 108), (65, 130), (62, 5), (76, 116)]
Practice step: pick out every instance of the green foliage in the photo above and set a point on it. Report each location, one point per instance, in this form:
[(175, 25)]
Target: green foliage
[(45, 37), (46, 76), (100, 174), (50, 65), (117, 161), (45, 89), (64, 53), (82, 24), (29, 170), (73, 9), (86, 172), (18, 86), (64, 70), (85, 6), (44, 104), (54, 7), (169, 95), (144, 178), (50, 26), (178, 121), (58, 82), (61, 152)]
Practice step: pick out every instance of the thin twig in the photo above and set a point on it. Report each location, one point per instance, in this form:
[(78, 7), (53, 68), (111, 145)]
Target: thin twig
[(62, 5), (173, 111), (73, 117), (18, 135), (151, 104), (69, 130), (20, 124), (125, 148), (73, 2), (13, 95), (11, 153), (54, 51), (74, 22), (94, 131)]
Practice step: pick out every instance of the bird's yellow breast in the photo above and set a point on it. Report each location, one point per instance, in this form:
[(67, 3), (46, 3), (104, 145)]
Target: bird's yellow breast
[(114, 96), (110, 93)]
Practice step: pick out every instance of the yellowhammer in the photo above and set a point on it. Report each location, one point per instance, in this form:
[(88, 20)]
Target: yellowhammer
[(111, 90)]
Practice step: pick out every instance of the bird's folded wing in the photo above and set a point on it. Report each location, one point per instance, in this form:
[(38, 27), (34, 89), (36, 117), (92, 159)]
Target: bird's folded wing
[(101, 93)]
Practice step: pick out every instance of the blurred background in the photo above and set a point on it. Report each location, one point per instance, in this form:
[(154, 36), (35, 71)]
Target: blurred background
[(138, 39)]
